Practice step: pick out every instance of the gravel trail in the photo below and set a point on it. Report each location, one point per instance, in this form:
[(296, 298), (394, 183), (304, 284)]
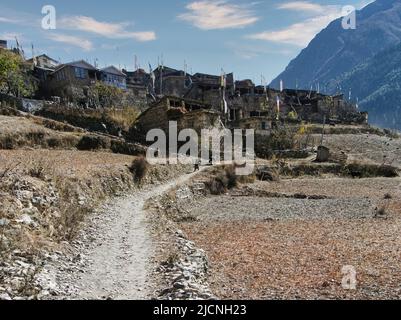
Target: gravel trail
[(117, 249)]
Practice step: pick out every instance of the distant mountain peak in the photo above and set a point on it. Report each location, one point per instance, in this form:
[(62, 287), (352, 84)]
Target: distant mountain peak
[(335, 52)]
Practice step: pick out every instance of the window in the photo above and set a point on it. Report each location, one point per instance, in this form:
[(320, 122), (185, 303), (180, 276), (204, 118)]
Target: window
[(80, 73), (60, 75), (264, 125)]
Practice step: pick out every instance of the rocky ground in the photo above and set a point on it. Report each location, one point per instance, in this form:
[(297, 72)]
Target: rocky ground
[(79, 225), (367, 147)]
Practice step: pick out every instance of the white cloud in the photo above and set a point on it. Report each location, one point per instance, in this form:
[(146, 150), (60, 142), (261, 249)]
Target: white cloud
[(9, 36), (303, 6), (250, 51), (301, 33), (19, 18), (105, 29), (7, 20), (218, 14), (79, 42)]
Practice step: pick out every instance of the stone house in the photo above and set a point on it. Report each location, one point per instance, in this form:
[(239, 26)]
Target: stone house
[(171, 82), (188, 114), (72, 82), (138, 81), (139, 84), (113, 77), (43, 66), (44, 61), (261, 124), (244, 87)]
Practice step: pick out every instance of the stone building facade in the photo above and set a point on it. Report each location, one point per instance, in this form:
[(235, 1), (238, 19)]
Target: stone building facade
[(187, 113)]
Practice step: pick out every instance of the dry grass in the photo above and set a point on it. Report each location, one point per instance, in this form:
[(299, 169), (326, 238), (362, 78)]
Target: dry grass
[(54, 125), (18, 132), (92, 119), (35, 132), (67, 185), (72, 174), (81, 180), (124, 118), (301, 260)]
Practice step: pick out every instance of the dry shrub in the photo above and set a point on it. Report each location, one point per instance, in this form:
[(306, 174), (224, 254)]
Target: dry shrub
[(355, 170), (247, 179), (382, 212), (123, 147), (39, 168), (139, 168), (71, 217), (231, 176), (62, 142), (282, 139), (217, 185), (225, 178), (37, 172), (362, 170), (8, 111), (92, 142), (7, 143)]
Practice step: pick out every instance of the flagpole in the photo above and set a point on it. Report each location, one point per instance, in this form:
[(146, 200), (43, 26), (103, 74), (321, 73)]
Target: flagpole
[(278, 108), (161, 75)]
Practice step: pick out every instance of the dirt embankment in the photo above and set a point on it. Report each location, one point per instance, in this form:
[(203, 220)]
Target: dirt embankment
[(44, 197), (28, 131), (184, 267)]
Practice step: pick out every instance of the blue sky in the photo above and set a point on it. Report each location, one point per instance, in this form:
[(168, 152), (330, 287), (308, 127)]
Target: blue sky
[(248, 38)]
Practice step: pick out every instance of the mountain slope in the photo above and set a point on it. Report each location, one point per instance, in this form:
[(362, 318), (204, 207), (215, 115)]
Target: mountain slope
[(335, 51), (378, 84)]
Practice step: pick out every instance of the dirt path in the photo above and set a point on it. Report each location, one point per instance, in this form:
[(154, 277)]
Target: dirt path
[(119, 250)]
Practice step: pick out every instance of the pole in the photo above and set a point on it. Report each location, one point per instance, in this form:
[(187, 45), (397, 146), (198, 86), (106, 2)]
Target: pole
[(324, 125)]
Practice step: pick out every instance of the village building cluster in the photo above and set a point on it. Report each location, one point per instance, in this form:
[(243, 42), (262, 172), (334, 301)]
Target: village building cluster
[(194, 100)]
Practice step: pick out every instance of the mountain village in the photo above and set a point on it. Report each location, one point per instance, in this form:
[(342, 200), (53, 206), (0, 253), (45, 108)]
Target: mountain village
[(239, 104), (84, 215)]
